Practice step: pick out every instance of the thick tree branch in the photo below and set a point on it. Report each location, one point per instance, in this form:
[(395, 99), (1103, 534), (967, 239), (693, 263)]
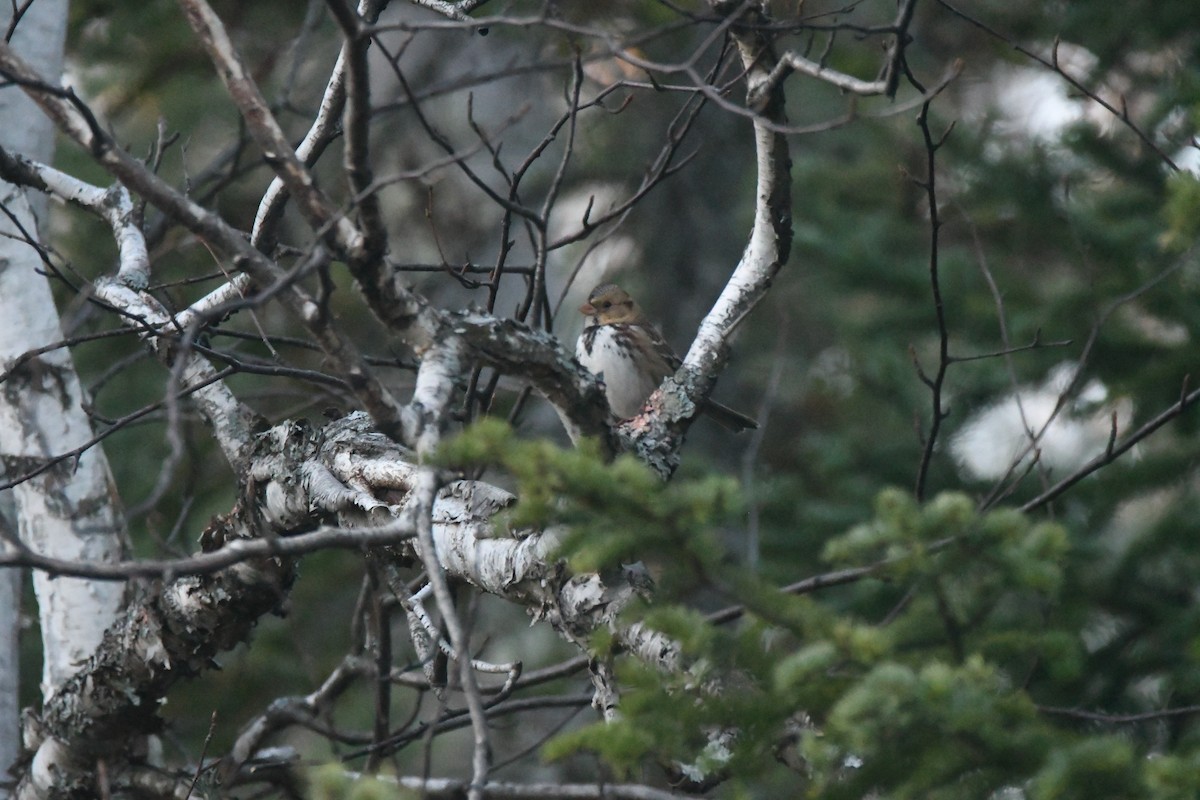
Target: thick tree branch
[(321, 133), (499, 790), (656, 437), (454, 10), (300, 482)]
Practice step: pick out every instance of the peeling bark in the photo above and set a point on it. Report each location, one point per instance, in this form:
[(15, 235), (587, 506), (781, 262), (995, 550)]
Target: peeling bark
[(69, 513), (299, 478)]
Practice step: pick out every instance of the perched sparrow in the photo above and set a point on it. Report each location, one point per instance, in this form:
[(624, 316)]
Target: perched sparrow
[(620, 347)]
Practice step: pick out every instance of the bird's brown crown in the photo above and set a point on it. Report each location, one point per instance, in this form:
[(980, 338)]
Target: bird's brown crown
[(611, 304)]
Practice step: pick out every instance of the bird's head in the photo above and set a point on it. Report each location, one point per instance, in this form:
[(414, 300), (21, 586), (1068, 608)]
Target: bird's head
[(609, 304)]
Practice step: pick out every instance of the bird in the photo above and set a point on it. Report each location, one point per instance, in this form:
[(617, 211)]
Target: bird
[(626, 352)]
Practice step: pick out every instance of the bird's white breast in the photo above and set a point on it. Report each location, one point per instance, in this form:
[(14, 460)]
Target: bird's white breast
[(625, 386)]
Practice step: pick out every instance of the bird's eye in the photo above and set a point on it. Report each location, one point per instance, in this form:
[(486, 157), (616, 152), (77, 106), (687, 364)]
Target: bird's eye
[(606, 304)]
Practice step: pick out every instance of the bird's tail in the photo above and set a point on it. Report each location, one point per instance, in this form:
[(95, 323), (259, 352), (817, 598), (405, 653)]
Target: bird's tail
[(727, 418)]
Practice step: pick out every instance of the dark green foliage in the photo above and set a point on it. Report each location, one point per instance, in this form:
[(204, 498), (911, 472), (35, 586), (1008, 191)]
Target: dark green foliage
[(940, 702), (940, 699), (611, 513)]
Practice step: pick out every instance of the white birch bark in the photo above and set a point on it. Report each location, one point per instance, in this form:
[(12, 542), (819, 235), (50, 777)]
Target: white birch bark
[(39, 38), (68, 511)]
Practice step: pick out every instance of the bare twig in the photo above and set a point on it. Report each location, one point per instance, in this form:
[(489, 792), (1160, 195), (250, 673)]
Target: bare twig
[(381, 637), (1115, 450), (1119, 719), (235, 552), (937, 414)]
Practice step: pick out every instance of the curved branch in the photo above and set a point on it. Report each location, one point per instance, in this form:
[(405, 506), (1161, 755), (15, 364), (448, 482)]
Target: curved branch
[(657, 437)]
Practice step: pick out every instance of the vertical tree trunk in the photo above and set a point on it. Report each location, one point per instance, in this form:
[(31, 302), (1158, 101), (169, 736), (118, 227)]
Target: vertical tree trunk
[(10, 628), (68, 511)]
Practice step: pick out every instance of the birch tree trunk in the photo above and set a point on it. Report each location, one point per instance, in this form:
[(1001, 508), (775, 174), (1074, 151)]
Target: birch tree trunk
[(68, 510)]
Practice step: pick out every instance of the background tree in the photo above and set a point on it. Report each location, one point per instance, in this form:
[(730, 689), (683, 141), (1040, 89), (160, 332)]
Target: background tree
[(70, 514), (314, 255)]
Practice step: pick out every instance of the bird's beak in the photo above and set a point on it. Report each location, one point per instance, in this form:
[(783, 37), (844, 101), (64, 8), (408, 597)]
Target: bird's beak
[(587, 309)]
